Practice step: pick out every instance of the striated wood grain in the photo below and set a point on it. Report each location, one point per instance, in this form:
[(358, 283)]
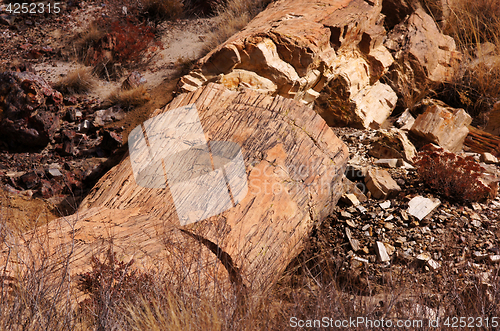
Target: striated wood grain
[(293, 164)]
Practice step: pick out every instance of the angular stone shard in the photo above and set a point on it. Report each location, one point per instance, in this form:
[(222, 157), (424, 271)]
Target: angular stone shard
[(447, 127), (420, 207), (488, 158), (423, 55), (387, 163), (293, 168), (381, 185), (381, 251), (393, 144)]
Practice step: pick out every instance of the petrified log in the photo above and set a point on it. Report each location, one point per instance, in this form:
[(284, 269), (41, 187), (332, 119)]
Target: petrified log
[(334, 56), (301, 50), (480, 141), (152, 208)]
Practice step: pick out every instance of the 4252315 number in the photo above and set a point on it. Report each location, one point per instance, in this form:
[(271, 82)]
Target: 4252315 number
[(33, 8)]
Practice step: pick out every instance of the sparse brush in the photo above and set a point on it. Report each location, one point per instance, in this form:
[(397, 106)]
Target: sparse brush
[(233, 17), (130, 98), (476, 85), (162, 10), (79, 80), (90, 37), (456, 177)]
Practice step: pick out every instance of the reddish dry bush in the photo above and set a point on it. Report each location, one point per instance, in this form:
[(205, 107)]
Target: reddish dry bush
[(456, 177), (126, 42), (110, 283)]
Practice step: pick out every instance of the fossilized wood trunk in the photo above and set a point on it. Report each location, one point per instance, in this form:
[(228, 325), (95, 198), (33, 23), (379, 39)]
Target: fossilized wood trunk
[(297, 49), (293, 165), (333, 55), (480, 141)]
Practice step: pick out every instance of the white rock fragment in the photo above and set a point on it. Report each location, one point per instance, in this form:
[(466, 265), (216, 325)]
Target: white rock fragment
[(420, 207), (382, 252), (386, 204), (433, 264), (387, 163), (54, 172), (494, 258), (488, 158)]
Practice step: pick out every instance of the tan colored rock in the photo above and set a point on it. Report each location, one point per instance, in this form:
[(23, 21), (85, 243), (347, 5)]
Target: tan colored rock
[(373, 105), (393, 144), (445, 126), (307, 52), (488, 158), (423, 55), (238, 79), (293, 166), (479, 141), (381, 250), (405, 121), (381, 185)]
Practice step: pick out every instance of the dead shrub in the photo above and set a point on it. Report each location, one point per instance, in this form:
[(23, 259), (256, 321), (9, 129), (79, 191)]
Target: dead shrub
[(78, 81), (130, 98), (476, 85), (112, 43), (109, 284), (162, 10), (233, 17), (456, 177)]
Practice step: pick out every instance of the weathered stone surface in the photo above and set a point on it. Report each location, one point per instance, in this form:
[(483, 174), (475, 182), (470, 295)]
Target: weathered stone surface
[(309, 53), (135, 79), (105, 116), (488, 158), (350, 199), (29, 109), (480, 141), (393, 144), (405, 121), (294, 166), (353, 242), (423, 56), (381, 185), (420, 207), (387, 163), (447, 127), (373, 105), (382, 252)]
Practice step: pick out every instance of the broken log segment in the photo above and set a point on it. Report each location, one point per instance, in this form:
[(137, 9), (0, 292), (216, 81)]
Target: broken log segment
[(293, 165)]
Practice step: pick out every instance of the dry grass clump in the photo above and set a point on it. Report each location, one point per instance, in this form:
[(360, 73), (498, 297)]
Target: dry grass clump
[(79, 80), (233, 17), (130, 98), (475, 26), (88, 38), (162, 10)]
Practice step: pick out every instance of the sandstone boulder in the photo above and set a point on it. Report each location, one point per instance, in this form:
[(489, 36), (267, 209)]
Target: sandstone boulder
[(327, 54), (393, 144), (445, 126), (283, 170), (423, 56), (381, 185)]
